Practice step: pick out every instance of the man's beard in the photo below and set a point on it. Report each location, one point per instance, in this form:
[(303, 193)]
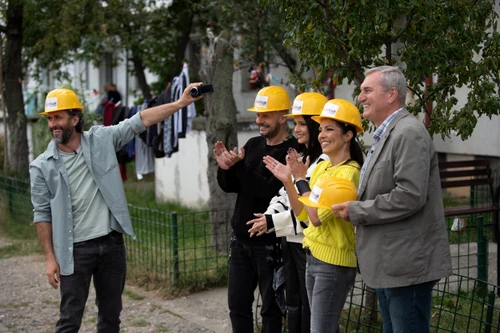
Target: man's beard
[(64, 138), (272, 133)]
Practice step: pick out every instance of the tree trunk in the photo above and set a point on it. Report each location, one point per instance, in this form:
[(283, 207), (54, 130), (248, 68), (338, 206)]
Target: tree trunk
[(194, 60), (220, 109), (4, 110), (17, 140), (139, 73), (183, 39)]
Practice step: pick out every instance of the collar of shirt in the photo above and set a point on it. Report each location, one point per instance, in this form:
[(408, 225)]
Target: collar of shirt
[(377, 135)]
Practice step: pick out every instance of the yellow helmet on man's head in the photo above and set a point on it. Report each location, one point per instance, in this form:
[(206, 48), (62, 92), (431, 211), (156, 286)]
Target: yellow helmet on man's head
[(270, 99), (60, 100), (343, 111), (329, 191), (308, 104)]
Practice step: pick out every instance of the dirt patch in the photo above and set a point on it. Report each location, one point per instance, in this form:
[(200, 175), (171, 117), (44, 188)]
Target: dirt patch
[(29, 304)]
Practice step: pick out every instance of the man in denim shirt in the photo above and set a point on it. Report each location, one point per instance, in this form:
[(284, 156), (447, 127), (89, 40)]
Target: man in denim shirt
[(80, 208)]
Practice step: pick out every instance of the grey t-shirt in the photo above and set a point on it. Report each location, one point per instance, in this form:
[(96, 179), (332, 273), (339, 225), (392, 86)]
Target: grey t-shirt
[(91, 215)]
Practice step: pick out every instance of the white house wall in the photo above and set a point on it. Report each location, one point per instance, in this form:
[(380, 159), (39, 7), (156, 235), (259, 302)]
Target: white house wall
[(183, 177), (485, 140)]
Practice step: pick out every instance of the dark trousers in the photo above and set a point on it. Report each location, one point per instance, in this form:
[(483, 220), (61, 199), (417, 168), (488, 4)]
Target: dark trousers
[(249, 266), (103, 259), (299, 313), (406, 309)]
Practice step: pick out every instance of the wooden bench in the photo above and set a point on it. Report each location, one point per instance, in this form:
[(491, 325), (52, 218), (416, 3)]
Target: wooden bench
[(468, 174)]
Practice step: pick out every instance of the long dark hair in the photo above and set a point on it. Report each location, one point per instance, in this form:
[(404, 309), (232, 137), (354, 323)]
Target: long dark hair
[(354, 147), (313, 149)]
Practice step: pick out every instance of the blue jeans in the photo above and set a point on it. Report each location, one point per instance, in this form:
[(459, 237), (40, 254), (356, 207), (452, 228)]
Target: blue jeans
[(327, 288), (249, 266), (103, 259), (406, 309)]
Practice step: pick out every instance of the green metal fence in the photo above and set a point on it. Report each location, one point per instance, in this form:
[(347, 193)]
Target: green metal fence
[(182, 249), (170, 248), (15, 200), (173, 247), (178, 248), (460, 304)]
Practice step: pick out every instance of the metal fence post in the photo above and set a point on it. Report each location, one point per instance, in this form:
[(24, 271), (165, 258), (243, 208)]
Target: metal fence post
[(9, 193), (482, 257), (496, 201), (175, 247), (472, 196), (489, 312)]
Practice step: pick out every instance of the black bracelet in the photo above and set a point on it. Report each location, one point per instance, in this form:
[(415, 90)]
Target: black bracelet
[(302, 186)]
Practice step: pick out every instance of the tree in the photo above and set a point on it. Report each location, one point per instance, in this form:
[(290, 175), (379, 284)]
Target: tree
[(16, 142), (251, 31), (32, 32), (258, 31), (220, 112), (455, 41), (154, 36), (43, 35)]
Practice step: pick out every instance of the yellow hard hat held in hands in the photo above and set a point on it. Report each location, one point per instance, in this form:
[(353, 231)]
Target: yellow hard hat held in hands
[(329, 191)]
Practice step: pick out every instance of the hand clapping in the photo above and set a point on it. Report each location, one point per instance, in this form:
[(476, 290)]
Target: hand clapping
[(294, 162), (280, 171), (226, 158)]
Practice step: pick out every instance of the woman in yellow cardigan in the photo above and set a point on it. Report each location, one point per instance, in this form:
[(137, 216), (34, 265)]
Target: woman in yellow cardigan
[(329, 241)]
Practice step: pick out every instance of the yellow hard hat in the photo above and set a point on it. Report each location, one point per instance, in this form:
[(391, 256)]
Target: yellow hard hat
[(308, 103), (269, 99), (61, 99), (343, 111), (329, 191)]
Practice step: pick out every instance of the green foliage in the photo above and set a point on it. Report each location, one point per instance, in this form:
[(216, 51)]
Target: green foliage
[(132, 295), (20, 248), (53, 32), (153, 36), (257, 27), (455, 41)]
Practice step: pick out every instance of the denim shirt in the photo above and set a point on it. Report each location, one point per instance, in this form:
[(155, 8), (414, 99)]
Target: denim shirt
[(50, 193)]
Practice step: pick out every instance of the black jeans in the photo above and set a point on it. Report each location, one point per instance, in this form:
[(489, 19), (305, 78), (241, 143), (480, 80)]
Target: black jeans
[(251, 265), (297, 303), (103, 259)]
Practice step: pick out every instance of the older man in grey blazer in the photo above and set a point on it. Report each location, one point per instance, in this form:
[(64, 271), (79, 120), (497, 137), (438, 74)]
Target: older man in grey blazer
[(402, 242)]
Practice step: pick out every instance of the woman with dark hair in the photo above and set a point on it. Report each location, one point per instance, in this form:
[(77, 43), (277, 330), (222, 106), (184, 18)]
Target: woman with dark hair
[(280, 219), (329, 241)]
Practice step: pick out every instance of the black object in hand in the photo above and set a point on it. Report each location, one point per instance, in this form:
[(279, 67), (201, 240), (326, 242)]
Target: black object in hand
[(200, 90)]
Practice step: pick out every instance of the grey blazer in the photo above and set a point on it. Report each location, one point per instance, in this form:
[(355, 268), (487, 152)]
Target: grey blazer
[(401, 236)]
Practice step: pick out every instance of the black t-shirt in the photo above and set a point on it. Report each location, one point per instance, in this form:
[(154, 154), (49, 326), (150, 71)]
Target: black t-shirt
[(254, 184)]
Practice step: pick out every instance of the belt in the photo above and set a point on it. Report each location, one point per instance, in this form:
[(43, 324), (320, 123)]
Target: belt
[(108, 236)]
